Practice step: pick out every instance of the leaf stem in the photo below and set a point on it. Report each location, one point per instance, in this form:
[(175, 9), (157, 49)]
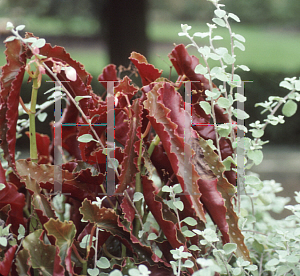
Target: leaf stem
[(154, 143), (32, 133)]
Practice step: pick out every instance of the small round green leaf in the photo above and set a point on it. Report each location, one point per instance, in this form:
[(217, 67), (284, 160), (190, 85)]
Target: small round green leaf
[(272, 262), (152, 236), (286, 84), (78, 98), (252, 180), (116, 273), (39, 43), (220, 13), (200, 69), (103, 263), (11, 38), (239, 37), (114, 164), (206, 107), (190, 221), (239, 45), (9, 26), (42, 116), (188, 233), (85, 138), (2, 186), (166, 189), (177, 189), (223, 102), (3, 241), (219, 22), (257, 133), (244, 67), (137, 196), (256, 156), (229, 59), (289, 108), (179, 205), (229, 248), (20, 27), (234, 17)]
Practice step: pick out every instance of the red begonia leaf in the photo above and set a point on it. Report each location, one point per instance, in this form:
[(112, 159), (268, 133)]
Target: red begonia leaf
[(127, 208), (6, 264), (11, 81), (159, 102), (39, 201), (64, 233), (108, 220), (42, 256), (128, 167), (79, 185), (185, 65), (22, 266), (10, 195), (81, 86), (227, 191), (148, 72), (109, 73)]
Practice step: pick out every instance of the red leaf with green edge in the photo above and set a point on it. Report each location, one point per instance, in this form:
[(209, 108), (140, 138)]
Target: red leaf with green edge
[(109, 73), (41, 205), (148, 72), (159, 102), (129, 169), (42, 256), (108, 220), (80, 186), (10, 195), (11, 81), (227, 191), (64, 233), (22, 258), (6, 264), (162, 214)]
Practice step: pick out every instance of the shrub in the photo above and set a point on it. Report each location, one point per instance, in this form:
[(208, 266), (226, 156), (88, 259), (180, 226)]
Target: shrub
[(171, 197)]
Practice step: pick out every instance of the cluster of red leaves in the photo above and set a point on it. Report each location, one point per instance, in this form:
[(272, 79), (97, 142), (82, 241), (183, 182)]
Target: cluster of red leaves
[(210, 189)]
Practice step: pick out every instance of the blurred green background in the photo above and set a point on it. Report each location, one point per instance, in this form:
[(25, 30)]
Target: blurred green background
[(271, 29)]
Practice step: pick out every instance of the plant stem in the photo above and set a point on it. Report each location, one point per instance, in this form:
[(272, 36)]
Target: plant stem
[(32, 135), (154, 143)]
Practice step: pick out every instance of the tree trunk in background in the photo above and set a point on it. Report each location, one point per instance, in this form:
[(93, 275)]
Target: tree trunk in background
[(124, 29)]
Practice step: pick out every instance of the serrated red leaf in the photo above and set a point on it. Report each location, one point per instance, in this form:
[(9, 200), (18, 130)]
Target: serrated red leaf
[(162, 214), (108, 220), (129, 169), (6, 264), (80, 185), (148, 72), (11, 81), (227, 191), (43, 256), (10, 195), (109, 73), (161, 101)]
